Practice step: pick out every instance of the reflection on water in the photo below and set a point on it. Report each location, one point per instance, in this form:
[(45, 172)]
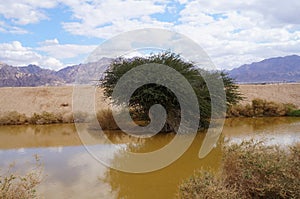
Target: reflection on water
[(33, 136), (273, 130), (71, 172)]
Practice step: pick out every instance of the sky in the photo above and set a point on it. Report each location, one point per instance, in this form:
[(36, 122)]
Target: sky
[(57, 33)]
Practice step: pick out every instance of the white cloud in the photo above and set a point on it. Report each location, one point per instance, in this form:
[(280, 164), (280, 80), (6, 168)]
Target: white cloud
[(235, 33), (24, 12), (5, 28), (15, 54), (54, 53), (50, 42), (231, 32), (108, 18), (64, 51)]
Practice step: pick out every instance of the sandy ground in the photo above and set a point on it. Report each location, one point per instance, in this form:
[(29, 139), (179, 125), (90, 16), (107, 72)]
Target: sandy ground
[(284, 93), (30, 100)]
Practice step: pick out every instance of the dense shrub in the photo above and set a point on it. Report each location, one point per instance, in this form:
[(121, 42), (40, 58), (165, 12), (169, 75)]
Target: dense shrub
[(249, 170), (147, 95)]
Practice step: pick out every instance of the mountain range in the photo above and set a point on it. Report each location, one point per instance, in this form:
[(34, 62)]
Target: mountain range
[(32, 75), (279, 69)]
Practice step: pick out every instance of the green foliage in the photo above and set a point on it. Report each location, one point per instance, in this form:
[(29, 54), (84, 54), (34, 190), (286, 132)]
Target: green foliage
[(147, 95), (294, 113), (233, 95), (249, 170)]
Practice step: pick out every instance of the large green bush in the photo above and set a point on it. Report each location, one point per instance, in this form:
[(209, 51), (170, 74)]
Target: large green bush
[(147, 95)]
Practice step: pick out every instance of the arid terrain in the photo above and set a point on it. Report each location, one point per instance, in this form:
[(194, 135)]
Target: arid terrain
[(283, 93), (29, 100)]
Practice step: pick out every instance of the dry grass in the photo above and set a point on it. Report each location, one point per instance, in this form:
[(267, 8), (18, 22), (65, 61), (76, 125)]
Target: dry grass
[(249, 170), (16, 186), (204, 184), (104, 117), (45, 118), (261, 108), (106, 120), (15, 118)]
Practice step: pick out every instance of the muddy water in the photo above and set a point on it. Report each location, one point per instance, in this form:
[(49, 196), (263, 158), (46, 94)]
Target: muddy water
[(70, 171)]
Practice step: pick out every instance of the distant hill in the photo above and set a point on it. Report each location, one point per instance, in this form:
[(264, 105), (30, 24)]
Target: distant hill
[(279, 69), (84, 73), (33, 75), (27, 76)]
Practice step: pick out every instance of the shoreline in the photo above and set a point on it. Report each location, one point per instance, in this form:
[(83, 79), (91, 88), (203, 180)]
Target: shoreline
[(44, 105)]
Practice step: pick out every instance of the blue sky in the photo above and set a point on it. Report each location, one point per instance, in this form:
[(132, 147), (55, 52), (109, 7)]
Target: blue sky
[(56, 33)]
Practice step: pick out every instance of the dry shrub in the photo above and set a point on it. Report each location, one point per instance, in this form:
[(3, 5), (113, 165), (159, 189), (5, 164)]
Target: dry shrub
[(240, 110), (204, 184), (16, 186), (13, 117), (268, 108), (249, 170), (106, 120), (81, 117), (260, 108), (45, 118), (259, 171), (68, 118)]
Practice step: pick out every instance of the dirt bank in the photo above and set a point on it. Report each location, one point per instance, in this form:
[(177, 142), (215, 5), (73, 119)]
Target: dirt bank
[(31, 100)]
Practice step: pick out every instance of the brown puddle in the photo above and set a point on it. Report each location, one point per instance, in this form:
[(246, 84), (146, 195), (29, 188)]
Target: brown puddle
[(72, 172)]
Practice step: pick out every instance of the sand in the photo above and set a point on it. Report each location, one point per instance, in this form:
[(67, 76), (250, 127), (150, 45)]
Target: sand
[(283, 93), (29, 100)]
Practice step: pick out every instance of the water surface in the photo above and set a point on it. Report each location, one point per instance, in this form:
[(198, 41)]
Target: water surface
[(71, 172)]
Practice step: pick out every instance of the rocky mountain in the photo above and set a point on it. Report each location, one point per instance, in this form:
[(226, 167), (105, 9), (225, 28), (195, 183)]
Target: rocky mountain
[(27, 76), (279, 69), (33, 75), (84, 73)]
